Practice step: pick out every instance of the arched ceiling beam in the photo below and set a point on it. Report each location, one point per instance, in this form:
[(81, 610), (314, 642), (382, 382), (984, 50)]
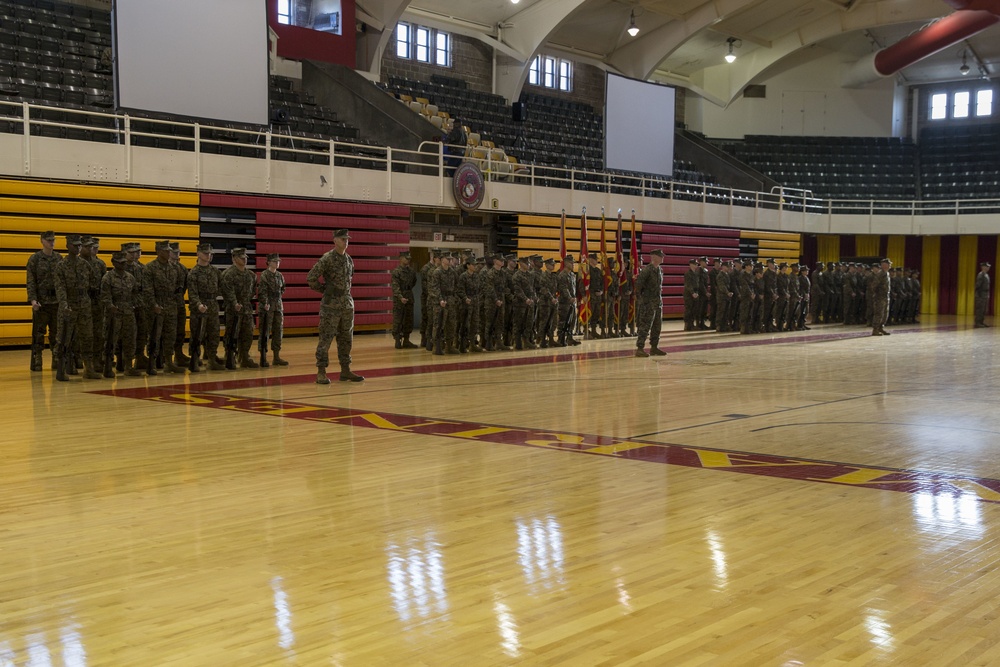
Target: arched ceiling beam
[(381, 17)]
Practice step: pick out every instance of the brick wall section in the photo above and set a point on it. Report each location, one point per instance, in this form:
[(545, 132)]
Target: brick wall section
[(472, 61), (588, 86)]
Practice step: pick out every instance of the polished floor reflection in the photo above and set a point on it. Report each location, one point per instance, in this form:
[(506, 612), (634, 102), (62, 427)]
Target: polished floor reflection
[(823, 498)]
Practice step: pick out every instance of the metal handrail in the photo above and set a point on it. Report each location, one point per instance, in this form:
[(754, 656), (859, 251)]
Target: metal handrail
[(436, 162)]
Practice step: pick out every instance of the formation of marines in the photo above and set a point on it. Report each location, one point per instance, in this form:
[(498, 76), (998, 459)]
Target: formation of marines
[(503, 302), (754, 297), (132, 319)]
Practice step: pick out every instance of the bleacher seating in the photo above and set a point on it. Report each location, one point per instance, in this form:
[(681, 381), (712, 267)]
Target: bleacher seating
[(960, 162), (833, 167)]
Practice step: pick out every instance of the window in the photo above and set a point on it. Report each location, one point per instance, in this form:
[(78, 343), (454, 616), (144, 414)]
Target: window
[(442, 52), (565, 75), (423, 44), (939, 106), (402, 40), (285, 12), (960, 106), (533, 71), (551, 72), (984, 102)]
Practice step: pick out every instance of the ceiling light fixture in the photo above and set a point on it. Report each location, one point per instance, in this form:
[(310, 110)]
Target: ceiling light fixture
[(514, 2), (964, 69), (730, 56), (633, 29)]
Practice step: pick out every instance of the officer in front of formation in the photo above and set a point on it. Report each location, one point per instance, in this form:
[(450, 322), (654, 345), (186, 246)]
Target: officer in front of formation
[(982, 294), (649, 306), (40, 282), (331, 276), (566, 290), (74, 281), (878, 293)]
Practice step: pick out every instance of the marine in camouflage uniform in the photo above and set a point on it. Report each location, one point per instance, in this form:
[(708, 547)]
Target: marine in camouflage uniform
[(271, 310), (238, 284), (160, 290), (133, 253), (703, 304), (403, 280), (508, 271), (692, 292), (425, 309), (611, 300), (548, 305), (74, 281), (723, 293), (203, 300), (469, 307), (331, 276), (444, 300), (769, 296), (791, 322), (88, 251), (41, 287), (982, 295), (626, 323), (182, 276), (524, 299), (494, 282), (878, 292), (596, 296), (805, 293), (649, 306), (566, 291), (780, 311), (118, 292), (748, 295)]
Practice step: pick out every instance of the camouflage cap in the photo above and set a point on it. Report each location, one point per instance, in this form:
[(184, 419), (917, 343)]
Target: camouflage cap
[(175, 246), (204, 247), (523, 260), (86, 239), (341, 234), (118, 256), (657, 252), (692, 261), (73, 239), (986, 264), (783, 265), (510, 258), (550, 262), (568, 259), (47, 236), (238, 252), (481, 260), (273, 257), (162, 245), (402, 255)]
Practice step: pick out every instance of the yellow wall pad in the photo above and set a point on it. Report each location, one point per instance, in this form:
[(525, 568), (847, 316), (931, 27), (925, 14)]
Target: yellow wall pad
[(105, 193), (895, 249), (101, 228), (930, 274), (12, 277), (866, 245), (774, 236), (968, 267), (778, 254), (574, 246), (62, 208), (14, 294), (779, 245), (574, 222), (15, 330), (828, 247)]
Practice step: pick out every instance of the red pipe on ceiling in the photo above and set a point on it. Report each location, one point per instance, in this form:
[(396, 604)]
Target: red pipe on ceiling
[(939, 35)]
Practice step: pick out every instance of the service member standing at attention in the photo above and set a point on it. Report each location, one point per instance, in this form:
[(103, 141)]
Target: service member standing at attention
[(692, 291), (331, 276), (238, 284), (74, 278), (161, 295), (649, 306), (404, 278), (723, 293), (133, 255), (271, 310), (203, 300), (982, 294), (596, 296), (40, 281), (566, 290), (182, 277), (118, 295), (880, 288)]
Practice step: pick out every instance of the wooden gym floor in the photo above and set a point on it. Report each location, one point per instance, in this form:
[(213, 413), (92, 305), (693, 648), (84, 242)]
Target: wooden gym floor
[(823, 498)]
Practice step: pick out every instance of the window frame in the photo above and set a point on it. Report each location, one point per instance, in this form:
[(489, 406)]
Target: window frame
[(965, 105), (549, 72), (565, 78), (287, 15), (939, 111), (439, 59), (980, 103), (535, 71), (422, 44), (401, 40)]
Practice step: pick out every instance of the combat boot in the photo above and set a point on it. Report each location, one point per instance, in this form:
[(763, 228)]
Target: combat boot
[(247, 362), (278, 361), (437, 348), (476, 348), (36, 362), (263, 360), (109, 372), (170, 367), (180, 358), (407, 345), (141, 361), (450, 349), (639, 352), (214, 365), (61, 371), (89, 373), (131, 370), (399, 343), (321, 377), (347, 376), (656, 352), (230, 361)]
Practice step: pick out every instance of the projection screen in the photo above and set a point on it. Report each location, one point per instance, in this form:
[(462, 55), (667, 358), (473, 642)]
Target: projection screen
[(638, 126), (192, 58)]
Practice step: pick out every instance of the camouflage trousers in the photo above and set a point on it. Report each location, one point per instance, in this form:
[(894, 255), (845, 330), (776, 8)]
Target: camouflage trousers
[(162, 332), (273, 324), (880, 312), (123, 334), (402, 318), (100, 333), (45, 318), (335, 323), (722, 306), (76, 331), (446, 322), (980, 309), (493, 324), (181, 321), (210, 336), (649, 319)]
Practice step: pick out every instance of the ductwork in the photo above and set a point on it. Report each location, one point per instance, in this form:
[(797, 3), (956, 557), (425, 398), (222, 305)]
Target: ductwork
[(972, 17)]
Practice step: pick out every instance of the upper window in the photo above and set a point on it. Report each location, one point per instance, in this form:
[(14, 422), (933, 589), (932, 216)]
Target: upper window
[(285, 12), (962, 104), (984, 102), (423, 44), (551, 72), (403, 40)]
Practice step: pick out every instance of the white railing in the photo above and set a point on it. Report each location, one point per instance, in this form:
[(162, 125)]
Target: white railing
[(434, 159)]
